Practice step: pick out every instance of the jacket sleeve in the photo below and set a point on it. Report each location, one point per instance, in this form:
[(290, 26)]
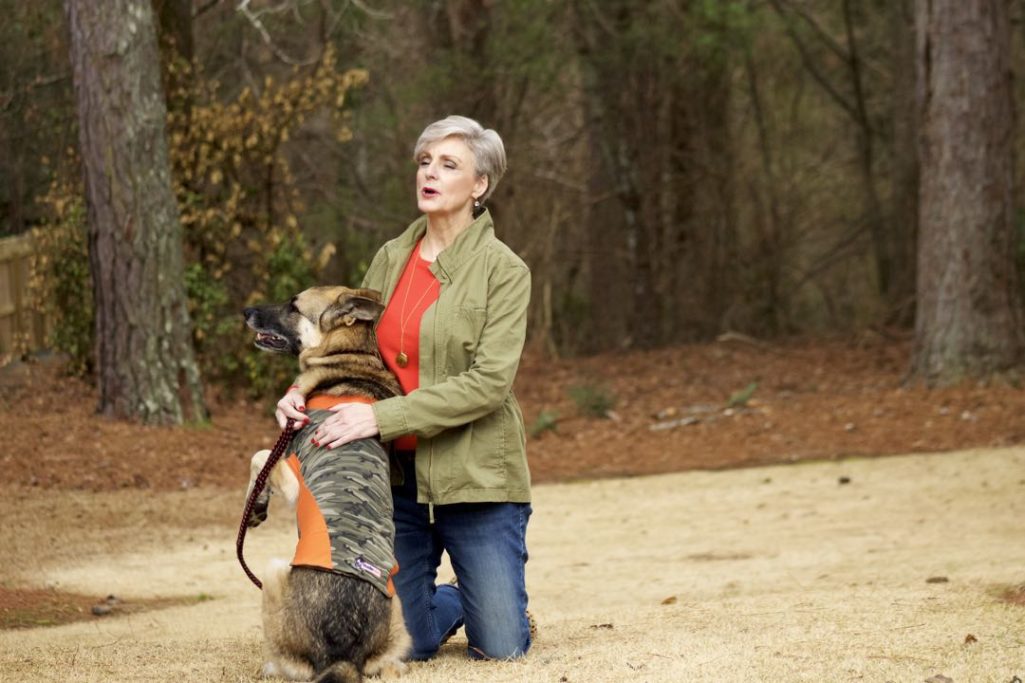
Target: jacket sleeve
[(374, 277), (482, 388)]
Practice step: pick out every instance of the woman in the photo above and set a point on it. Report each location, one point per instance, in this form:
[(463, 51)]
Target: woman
[(452, 332)]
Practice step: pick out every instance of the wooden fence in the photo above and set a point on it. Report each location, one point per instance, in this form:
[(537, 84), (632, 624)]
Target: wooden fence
[(22, 326)]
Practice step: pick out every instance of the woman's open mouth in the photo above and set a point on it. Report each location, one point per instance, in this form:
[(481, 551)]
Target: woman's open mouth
[(429, 192)]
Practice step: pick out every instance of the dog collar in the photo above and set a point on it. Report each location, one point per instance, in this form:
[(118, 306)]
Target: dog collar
[(326, 401)]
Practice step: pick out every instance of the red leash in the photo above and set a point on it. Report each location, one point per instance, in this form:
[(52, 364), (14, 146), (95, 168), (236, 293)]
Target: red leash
[(258, 486)]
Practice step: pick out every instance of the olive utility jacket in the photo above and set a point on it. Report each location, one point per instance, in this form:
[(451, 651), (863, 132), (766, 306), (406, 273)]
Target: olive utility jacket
[(471, 445)]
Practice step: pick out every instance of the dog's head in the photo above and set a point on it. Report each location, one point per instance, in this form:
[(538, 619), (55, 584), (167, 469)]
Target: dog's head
[(315, 316)]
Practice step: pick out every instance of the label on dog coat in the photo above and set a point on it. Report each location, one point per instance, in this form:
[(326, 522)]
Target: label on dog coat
[(365, 566), (345, 507)]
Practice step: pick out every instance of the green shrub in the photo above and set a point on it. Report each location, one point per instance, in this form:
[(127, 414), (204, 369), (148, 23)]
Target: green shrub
[(547, 420), (61, 282), (290, 271), (593, 400), (239, 207)]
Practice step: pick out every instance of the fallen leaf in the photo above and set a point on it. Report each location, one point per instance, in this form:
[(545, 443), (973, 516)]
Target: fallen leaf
[(605, 626), (969, 639), (671, 600), (937, 579), (939, 678)]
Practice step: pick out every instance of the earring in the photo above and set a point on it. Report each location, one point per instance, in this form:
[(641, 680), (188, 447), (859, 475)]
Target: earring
[(476, 203)]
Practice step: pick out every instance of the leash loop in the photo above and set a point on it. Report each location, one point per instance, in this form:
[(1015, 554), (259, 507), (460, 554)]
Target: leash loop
[(258, 485)]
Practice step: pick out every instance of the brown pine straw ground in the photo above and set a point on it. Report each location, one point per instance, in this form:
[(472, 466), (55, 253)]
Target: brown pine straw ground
[(844, 568)]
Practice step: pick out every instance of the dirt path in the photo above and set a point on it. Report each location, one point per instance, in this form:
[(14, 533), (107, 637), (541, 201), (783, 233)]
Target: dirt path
[(768, 574)]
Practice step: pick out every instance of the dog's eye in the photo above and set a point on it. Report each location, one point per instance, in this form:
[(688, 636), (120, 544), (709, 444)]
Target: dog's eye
[(292, 308)]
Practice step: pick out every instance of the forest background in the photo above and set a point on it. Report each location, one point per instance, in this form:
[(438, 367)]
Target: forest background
[(678, 169), (760, 231)]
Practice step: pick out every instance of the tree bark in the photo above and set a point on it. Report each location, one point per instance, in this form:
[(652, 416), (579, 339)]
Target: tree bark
[(904, 222), (144, 358), (969, 314)]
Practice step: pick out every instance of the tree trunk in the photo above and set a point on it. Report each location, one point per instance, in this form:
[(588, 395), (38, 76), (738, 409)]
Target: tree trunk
[(865, 141), (144, 357), (904, 222), (177, 49), (710, 222), (969, 315)]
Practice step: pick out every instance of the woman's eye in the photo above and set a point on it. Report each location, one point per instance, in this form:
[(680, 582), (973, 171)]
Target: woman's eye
[(424, 162), (450, 165)]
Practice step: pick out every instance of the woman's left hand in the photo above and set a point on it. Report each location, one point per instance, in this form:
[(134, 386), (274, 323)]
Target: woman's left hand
[(350, 422)]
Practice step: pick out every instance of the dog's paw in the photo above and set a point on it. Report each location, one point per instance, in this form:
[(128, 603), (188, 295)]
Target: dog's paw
[(290, 670), (386, 667), (257, 517)]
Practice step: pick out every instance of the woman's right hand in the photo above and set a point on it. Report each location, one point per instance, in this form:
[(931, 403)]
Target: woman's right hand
[(292, 406)]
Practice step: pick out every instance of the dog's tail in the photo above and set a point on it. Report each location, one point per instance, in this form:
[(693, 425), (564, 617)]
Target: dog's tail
[(340, 672)]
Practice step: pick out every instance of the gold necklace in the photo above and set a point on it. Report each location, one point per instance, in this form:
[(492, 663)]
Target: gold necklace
[(401, 359)]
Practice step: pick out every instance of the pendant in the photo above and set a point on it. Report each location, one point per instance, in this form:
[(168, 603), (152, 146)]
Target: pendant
[(401, 359)]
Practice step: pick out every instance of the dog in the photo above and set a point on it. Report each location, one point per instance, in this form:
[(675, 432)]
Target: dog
[(331, 614)]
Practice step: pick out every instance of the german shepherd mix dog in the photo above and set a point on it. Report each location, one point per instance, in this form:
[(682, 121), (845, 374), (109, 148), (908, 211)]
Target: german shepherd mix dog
[(332, 615)]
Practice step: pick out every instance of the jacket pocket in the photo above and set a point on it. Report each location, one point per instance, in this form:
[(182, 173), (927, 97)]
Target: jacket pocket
[(464, 334), (475, 458)]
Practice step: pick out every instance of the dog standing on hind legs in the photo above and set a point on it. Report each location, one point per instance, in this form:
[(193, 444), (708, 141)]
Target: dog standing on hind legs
[(332, 615)]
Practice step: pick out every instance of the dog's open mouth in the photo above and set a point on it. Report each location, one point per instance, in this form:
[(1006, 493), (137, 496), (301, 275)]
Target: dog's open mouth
[(271, 342)]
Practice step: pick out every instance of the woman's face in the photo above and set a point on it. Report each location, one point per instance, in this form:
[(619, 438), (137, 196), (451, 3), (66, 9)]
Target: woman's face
[(446, 178)]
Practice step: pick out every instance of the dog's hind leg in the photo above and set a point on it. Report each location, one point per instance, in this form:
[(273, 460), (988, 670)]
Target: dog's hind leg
[(340, 672), (288, 669), (275, 585), (281, 661), (389, 664)]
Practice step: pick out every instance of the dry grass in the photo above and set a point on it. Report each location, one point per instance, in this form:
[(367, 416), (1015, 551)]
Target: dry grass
[(768, 574)]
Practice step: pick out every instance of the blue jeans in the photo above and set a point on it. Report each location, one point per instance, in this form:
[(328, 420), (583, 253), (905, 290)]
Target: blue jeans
[(486, 543)]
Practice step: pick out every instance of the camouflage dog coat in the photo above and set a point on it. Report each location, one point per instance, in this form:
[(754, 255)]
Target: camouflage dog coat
[(344, 511)]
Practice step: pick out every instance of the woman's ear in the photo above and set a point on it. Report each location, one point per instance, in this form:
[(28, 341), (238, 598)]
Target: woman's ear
[(480, 187)]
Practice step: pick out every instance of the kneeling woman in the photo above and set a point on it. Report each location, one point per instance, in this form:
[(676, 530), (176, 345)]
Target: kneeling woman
[(452, 332)]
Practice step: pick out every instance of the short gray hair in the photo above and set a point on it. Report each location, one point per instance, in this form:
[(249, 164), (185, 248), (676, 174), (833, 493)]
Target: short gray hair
[(485, 144)]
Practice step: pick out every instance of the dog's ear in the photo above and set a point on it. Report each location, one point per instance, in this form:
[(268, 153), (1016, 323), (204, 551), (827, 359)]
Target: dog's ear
[(349, 308)]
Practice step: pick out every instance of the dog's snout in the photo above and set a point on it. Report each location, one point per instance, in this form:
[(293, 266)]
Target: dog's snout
[(248, 313)]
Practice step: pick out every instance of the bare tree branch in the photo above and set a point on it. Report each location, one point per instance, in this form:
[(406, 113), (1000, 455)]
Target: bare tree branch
[(372, 13), (330, 18), (254, 19), (203, 9), (854, 63), (8, 97), (823, 35), (809, 63)]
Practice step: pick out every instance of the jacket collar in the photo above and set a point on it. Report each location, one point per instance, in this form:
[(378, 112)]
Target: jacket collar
[(468, 243)]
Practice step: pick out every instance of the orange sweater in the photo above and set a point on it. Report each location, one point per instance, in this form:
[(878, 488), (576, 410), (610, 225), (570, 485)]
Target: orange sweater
[(399, 329)]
